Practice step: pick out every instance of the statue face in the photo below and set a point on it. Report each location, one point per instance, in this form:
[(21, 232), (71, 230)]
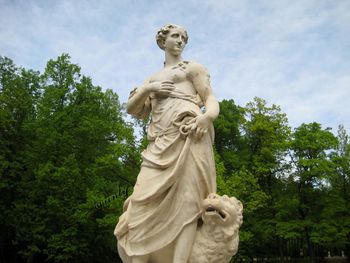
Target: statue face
[(175, 41)]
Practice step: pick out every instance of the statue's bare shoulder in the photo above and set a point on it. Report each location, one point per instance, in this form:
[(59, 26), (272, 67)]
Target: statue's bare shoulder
[(196, 69), (200, 78)]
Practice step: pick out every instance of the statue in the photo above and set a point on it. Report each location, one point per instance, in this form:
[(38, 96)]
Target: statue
[(173, 199)]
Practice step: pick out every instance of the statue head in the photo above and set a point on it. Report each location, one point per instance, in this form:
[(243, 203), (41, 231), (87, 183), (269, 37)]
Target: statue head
[(164, 31)]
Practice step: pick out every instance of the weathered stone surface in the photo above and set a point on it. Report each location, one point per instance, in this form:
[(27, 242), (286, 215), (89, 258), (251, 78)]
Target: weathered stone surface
[(160, 219)]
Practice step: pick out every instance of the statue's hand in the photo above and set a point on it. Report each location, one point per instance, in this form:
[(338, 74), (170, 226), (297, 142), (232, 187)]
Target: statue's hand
[(199, 125), (161, 88)]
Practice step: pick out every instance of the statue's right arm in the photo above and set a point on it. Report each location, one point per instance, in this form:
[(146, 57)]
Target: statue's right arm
[(139, 104)]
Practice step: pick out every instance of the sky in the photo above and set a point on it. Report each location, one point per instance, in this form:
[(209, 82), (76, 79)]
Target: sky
[(292, 53)]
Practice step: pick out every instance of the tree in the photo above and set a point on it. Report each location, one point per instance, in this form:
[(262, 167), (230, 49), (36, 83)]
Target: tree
[(68, 160), (267, 134), (67, 148), (338, 195), (311, 148), (19, 92), (244, 186), (229, 141), (254, 139)]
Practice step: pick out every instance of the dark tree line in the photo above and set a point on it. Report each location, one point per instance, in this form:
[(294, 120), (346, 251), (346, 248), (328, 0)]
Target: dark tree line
[(294, 183), (69, 159), (64, 149)]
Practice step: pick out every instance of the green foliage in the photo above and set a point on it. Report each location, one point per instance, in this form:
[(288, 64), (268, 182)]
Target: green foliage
[(245, 187), (294, 185), (311, 148), (229, 141), (65, 147), (267, 132), (68, 160)]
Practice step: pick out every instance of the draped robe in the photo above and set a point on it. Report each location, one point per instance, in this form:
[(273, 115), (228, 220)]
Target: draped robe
[(177, 174)]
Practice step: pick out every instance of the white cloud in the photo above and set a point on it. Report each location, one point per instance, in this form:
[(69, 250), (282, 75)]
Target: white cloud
[(291, 53)]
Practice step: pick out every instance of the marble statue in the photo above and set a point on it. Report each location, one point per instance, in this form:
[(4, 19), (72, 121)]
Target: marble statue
[(173, 208)]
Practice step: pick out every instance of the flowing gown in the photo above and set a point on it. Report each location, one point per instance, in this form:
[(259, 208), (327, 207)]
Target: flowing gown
[(177, 174)]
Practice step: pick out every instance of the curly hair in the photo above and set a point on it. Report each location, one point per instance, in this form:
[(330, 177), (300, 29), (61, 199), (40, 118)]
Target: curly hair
[(163, 33)]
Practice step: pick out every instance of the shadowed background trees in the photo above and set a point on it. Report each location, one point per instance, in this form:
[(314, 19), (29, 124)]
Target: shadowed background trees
[(293, 183), (69, 159), (65, 147)]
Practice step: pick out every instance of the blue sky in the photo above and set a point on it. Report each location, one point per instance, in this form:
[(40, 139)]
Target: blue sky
[(295, 53)]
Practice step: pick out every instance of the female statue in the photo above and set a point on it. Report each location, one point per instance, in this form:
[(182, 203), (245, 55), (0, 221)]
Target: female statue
[(178, 168)]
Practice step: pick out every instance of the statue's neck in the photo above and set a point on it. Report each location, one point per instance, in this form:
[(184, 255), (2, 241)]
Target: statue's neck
[(171, 60)]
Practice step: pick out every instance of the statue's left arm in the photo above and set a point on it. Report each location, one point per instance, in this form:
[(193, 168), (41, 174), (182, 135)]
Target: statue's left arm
[(201, 82)]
